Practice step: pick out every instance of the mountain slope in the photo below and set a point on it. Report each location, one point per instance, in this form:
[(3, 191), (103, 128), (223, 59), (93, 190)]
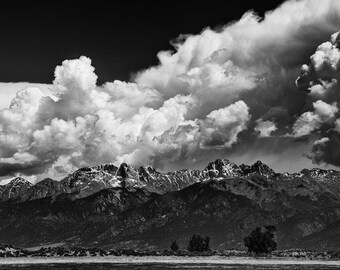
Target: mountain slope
[(111, 206), (226, 210)]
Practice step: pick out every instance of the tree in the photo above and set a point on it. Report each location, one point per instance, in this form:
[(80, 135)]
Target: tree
[(174, 246), (261, 242), (198, 243)]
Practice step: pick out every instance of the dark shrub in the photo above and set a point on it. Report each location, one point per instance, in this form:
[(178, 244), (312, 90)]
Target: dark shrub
[(198, 243), (174, 246), (261, 242)]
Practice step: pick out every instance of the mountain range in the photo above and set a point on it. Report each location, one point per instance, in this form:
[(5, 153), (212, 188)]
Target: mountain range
[(126, 207)]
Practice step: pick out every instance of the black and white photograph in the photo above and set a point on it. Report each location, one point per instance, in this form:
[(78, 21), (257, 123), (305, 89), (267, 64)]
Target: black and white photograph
[(144, 135)]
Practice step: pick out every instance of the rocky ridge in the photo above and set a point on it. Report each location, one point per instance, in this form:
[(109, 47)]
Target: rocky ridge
[(89, 180), (123, 207)]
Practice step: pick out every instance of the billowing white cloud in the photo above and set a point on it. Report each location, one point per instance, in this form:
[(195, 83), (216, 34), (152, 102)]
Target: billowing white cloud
[(219, 130), (8, 91), (251, 46), (321, 76), (310, 121), (76, 74), (306, 124), (222, 126), (321, 80), (321, 141), (126, 98), (19, 158), (119, 122)]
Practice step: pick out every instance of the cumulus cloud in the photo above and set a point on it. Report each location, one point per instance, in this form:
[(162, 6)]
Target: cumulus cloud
[(321, 141), (311, 121), (264, 128), (126, 98), (219, 130), (320, 78), (19, 158), (118, 122), (8, 91), (222, 126), (207, 97), (75, 75)]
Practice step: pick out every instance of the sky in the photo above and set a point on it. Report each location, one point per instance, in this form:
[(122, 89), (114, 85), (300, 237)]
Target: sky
[(174, 85)]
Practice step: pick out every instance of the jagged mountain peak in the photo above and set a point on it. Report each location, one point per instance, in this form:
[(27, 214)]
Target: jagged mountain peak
[(19, 181), (258, 168), (123, 165), (259, 163), (222, 161), (16, 189), (315, 171), (109, 167), (262, 168), (224, 168), (127, 171), (147, 170), (221, 168)]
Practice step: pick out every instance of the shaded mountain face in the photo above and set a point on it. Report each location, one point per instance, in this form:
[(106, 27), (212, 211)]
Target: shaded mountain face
[(111, 206)]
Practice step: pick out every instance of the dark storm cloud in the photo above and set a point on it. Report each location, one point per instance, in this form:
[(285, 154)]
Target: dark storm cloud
[(327, 150)]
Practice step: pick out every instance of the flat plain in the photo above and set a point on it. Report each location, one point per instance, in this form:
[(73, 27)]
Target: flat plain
[(166, 262)]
